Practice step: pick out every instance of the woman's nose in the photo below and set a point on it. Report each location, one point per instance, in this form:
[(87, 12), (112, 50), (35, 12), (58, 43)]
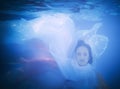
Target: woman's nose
[(81, 56)]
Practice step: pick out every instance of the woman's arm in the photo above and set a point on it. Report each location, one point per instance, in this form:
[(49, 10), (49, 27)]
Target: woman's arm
[(101, 82)]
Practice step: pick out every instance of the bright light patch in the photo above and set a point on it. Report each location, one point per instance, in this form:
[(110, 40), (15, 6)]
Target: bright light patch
[(58, 31)]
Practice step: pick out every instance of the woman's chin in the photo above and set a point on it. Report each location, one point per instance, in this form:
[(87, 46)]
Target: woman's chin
[(82, 64)]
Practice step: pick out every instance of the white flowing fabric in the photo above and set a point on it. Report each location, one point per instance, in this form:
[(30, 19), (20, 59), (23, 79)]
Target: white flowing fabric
[(58, 31)]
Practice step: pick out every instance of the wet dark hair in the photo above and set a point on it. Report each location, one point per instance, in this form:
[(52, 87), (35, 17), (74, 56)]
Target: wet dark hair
[(82, 43)]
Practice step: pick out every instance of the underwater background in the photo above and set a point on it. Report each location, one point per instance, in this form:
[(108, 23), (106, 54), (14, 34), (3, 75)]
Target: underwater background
[(86, 13)]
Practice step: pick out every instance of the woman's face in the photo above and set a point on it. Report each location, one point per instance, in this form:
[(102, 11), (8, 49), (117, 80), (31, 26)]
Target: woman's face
[(82, 55)]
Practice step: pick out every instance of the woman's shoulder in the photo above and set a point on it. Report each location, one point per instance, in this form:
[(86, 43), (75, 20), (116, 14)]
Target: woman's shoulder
[(73, 63)]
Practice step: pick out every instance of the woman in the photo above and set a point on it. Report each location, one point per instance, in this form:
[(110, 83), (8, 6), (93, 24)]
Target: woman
[(85, 77)]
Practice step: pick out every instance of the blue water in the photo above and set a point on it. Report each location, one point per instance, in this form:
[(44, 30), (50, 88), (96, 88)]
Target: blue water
[(90, 12)]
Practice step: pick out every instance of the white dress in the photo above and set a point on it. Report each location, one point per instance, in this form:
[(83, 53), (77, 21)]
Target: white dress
[(82, 77)]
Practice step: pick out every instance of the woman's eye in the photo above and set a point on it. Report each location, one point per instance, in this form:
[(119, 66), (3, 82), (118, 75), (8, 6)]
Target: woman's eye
[(85, 54), (79, 54)]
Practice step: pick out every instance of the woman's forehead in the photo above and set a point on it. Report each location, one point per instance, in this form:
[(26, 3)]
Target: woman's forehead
[(82, 49)]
